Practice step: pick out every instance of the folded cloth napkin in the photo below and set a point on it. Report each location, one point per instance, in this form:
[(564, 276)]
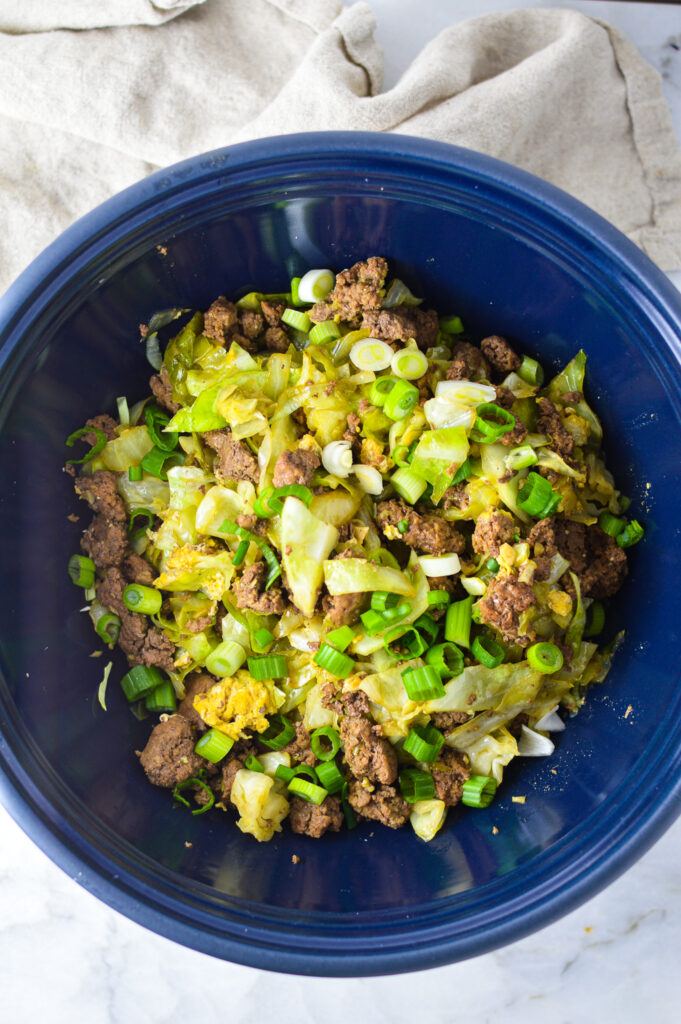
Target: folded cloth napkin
[(85, 113)]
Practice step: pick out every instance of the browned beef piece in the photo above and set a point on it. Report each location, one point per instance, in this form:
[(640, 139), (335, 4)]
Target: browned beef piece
[(162, 391), (105, 542), (99, 490), (357, 289), (516, 435), (276, 339), (542, 569), (110, 592), (384, 804), (234, 763), (561, 535), (499, 354), (353, 703), (352, 435), (132, 635), (251, 324), (250, 592), (450, 771), (343, 609), (157, 650), (447, 721), (234, 459), (137, 570), (368, 756), (550, 423), (426, 533), (515, 726), (571, 397), (503, 604), (310, 820), (468, 363), (103, 423), (399, 324), (196, 683), (272, 312), (220, 320), (505, 397), (456, 497), (299, 748), (169, 757), (295, 468), (606, 568), (492, 529)]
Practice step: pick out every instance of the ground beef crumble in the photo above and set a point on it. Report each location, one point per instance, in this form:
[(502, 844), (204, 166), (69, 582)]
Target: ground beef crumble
[(428, 533), (312, 820), (383, 804)]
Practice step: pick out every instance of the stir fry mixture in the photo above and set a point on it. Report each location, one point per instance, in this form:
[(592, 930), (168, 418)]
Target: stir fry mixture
[(356, 558)]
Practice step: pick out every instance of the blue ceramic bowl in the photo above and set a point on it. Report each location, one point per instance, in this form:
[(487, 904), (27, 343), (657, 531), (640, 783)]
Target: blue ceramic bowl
[(512, 256)]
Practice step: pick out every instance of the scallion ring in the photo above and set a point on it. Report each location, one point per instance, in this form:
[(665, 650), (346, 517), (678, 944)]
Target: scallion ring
[(478, 791), (446, 659), (409, 364), (487, 651), (315, 285), (424, 743), (108, 627), (335, 662), (491, 423), (325, 743), (214, 745), (279, 732), (380, 389), (423, 683), (193, 783), (545, 657), (156, 420), (376, 355), (81, 570), (146, 600), (402, 400), (134, 533), (416, 785), (270, 666), (97, 447)]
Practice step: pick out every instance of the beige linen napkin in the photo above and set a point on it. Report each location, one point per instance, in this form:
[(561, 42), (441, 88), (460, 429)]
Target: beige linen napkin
[(85, 113)]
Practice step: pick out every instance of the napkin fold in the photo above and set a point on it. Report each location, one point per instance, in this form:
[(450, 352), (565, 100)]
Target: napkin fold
[(86, 110)]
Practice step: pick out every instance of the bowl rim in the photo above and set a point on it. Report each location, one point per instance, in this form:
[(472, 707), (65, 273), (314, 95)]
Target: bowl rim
[(252, 943)]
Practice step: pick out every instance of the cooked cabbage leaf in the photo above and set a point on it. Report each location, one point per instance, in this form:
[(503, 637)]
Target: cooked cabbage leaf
[(305, 543)]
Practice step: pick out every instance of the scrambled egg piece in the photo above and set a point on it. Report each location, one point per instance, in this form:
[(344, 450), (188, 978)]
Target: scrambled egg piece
[(559, 602), (372, 455), (200, 568), (236, 704)]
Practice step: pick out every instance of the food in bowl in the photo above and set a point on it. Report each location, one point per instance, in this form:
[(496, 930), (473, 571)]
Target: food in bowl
[(366, 555)]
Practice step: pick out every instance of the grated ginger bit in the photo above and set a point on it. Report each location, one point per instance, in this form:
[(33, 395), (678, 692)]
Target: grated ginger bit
[(559, 602), (518, 799), (495, 831), (628, 711)]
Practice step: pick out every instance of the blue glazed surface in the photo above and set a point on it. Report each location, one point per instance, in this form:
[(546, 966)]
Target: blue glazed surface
[(512, 256)]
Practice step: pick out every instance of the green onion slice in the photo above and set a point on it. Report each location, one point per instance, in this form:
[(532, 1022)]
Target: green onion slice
[(156, 420), (530, 371), (408, 485), (253, 764), (409, 363), (240, 553), (537, 497), (341, 638), (595, 620), (492, 565), (401, 638), (403, 526), (381, 599), (270, 502), (424, 743), (325, 743), (416, 785), (335, 662), (162, 698), (438, 599), (478, 791), (401, 400), (140, 681), (194, 782), (350, 819), (81, 571), (140, 531), (423, 683), (278, 733), (610, 524), (458, 622), (521, 458), (295, 294), (446, 659), (286, 774), (330, 777), (487, 651), (157, 462), (380, 390), (545, 657), (307, 790), (462, 473), (294, 318), (427, 626), (273, 567), (108, 628), (225, 659), (97, 447), (632, 533), (135, 473), (328, 330), (214, 745), (270, 666), (146, 600), (261, 639), (451, 325), (491, 423)]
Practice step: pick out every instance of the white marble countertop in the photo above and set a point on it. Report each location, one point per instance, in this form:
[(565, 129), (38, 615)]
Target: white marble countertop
[(65, 957)]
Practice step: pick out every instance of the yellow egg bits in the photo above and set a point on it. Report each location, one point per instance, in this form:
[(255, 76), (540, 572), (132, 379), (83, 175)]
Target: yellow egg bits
[(237, 704)]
